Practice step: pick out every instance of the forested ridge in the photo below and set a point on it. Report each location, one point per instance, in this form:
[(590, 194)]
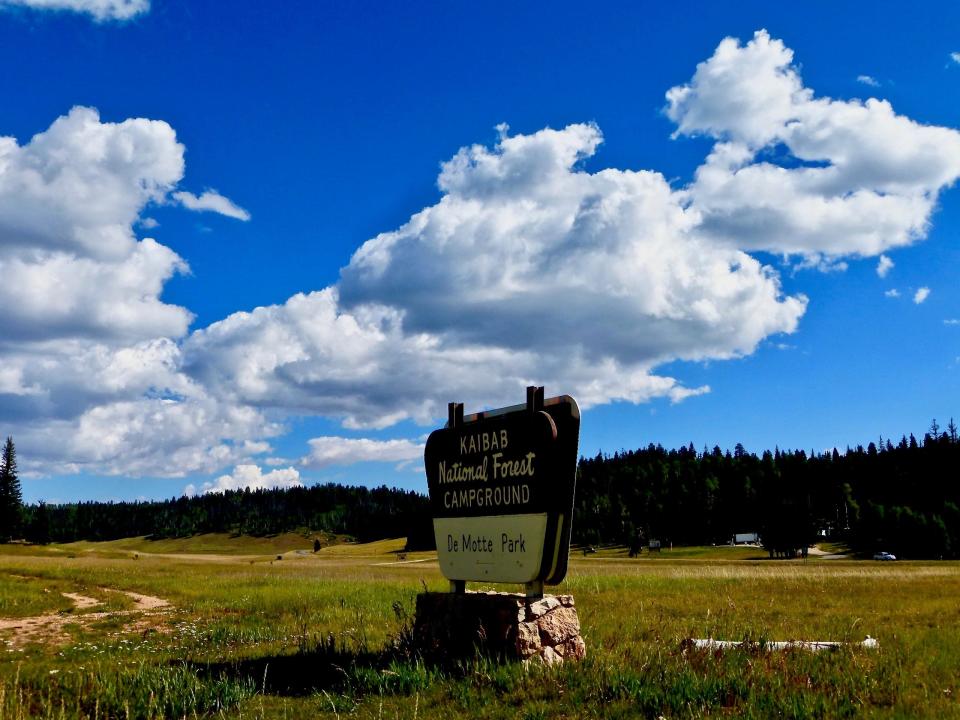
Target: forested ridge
[(366, 514), (904, 498)]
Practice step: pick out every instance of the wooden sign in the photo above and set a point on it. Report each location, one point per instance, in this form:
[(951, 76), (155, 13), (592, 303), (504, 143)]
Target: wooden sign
[(501, 490)]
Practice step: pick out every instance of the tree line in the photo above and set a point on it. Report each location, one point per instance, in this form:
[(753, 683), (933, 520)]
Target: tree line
[(362, 513), (904, 498)]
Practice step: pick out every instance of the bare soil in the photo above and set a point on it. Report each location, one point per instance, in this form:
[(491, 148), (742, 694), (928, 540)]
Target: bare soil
[(51, 628)]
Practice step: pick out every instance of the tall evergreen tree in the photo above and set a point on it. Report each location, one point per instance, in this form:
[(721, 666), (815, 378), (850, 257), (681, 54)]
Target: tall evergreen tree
[(11, 498)]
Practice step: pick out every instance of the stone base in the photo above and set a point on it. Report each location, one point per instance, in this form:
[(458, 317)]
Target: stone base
[(450, 626)]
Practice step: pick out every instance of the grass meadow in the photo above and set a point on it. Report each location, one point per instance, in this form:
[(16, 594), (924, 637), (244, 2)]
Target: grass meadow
[(246, 635)]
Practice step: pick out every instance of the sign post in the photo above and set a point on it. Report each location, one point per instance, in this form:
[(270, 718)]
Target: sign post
[(501, 492)]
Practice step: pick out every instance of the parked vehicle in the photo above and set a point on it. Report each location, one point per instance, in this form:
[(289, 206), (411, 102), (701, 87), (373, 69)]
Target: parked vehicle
[(884, 556)]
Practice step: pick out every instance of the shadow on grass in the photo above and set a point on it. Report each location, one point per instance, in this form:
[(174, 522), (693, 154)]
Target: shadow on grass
[(328, 666), (339, 667), (341, 664)]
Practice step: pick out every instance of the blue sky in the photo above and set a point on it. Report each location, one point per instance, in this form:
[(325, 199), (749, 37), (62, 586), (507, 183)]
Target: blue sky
[(746, 307)]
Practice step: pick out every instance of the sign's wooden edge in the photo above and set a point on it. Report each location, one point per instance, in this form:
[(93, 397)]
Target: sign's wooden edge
[(562, 528), (558, 400)]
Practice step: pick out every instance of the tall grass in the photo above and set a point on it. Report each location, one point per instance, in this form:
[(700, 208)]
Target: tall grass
[(141, 691)]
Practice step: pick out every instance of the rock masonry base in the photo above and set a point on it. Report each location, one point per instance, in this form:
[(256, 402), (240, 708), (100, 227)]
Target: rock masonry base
[(451, 626)]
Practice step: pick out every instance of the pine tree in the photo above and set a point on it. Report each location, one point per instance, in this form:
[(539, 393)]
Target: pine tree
[(11, 498)]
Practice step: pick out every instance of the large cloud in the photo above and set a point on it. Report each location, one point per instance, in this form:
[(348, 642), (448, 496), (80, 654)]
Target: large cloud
[(527, 270), (91, 362), (796, 174), (531, 269), (526, 252)]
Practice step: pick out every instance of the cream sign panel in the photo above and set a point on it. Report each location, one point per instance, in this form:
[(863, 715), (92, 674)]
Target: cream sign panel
[(501, 490), (504, 548)]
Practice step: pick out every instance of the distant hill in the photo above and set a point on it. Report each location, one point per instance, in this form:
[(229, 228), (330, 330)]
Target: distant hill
[(361, 513)]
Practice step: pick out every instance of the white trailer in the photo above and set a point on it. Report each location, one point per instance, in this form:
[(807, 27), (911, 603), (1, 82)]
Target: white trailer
[(742, 538)]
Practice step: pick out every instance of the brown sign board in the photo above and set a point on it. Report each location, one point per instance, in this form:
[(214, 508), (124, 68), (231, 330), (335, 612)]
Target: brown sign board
[(501, 488)]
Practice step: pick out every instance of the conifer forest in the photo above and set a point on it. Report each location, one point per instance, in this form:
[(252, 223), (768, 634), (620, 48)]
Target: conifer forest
[(901, 497)]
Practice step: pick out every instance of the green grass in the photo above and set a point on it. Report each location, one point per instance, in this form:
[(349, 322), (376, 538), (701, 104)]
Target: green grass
[(319, 635), (22, 596), (704, 552), (209, 543)]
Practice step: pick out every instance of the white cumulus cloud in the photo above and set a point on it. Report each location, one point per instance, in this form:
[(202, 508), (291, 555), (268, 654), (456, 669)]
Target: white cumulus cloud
[(796, 174), (892, 293), (72, 264), (525, 252), (100, 10), (80, 185), (249, 476), (213, 201), (90, 351), (528, 269), (920, 295), (329, 450), (868, 80)]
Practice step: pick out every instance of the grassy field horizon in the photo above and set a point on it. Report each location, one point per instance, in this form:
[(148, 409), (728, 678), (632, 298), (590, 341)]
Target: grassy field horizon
[(302, 541), (215, 626)]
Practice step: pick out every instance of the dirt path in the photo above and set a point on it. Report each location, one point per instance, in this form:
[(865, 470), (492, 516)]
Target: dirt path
[(81, 602), (145, 602), (824, 555), (51, 628)]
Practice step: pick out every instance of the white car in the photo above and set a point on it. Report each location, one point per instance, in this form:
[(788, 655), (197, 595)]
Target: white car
[(884, 556)]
